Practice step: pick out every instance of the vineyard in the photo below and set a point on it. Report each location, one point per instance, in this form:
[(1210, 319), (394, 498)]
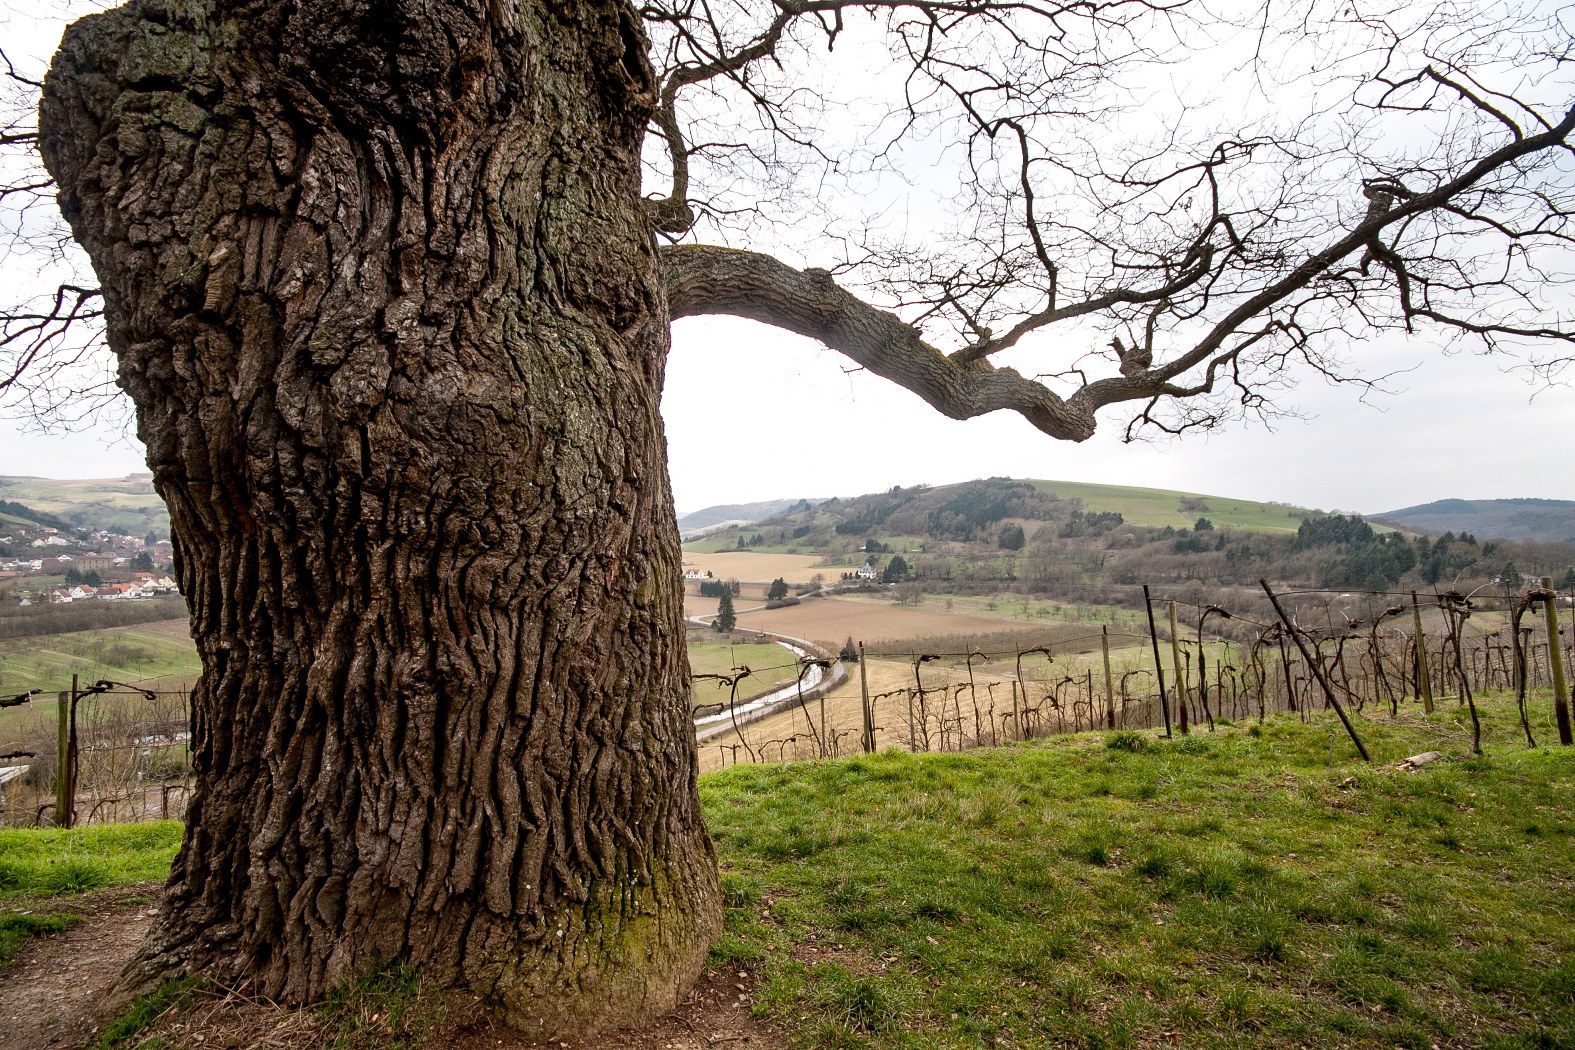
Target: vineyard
[(1353, 656), (1178, 668)]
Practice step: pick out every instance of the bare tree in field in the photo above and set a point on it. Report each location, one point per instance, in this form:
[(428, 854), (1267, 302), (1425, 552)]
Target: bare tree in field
[(389, 285)]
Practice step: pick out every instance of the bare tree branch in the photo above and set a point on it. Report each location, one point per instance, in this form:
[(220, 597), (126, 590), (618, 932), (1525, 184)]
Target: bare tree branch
[(1188, 272), (708, 280)]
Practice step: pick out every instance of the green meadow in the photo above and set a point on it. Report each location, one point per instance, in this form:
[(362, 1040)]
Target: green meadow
[(1256, 886), (1161, 507)]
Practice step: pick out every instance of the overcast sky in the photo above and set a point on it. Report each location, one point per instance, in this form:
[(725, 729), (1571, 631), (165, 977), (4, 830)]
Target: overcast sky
[(756, 414), (753, 413)]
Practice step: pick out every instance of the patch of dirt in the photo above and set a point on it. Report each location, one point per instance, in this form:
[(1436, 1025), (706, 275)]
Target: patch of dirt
[(715, 1014), (51, 988), (177, 628)]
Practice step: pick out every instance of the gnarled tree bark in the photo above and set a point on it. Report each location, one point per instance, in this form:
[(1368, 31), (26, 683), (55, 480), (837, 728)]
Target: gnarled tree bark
[(381, 288)]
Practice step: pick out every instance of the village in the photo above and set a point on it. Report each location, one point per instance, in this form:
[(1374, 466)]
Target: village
[(42, 564)]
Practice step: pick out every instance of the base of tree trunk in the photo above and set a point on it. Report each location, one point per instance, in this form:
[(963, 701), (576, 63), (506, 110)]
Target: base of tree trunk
[(617, 966)]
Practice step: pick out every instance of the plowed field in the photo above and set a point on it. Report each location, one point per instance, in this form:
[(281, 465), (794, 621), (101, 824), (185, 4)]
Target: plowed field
[(830, 621), (763, 568)]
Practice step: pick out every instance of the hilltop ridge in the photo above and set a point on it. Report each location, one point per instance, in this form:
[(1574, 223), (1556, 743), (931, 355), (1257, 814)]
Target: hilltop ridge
[(1545, 520)]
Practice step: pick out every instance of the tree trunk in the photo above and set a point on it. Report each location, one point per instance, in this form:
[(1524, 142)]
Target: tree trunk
[(380, 286)]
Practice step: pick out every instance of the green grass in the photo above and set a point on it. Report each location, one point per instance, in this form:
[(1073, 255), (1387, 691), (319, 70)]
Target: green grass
[(710, 653), (1161, 507), (50, 862), (1227, 890), (42, 865), (384, 1009), (1233, 889), (123, 654), (146, 1011), (17, 928)]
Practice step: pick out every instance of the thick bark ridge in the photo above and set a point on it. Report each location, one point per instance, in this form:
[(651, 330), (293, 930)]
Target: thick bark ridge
[(380, 286)]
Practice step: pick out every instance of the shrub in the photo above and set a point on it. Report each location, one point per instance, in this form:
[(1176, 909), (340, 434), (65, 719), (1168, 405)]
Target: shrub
[(1126, 740)]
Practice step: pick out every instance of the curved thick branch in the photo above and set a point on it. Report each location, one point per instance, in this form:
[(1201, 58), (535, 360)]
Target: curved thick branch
[(702, 279)]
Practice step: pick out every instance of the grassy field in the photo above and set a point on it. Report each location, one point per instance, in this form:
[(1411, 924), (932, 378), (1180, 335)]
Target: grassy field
[(1161, 507), (1225, 890), (149, 656), (1234, 889), (711, 653), (126, 504)]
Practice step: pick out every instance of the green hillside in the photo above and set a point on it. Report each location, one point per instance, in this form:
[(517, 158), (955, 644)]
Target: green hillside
[(1545, 520), (126, 505), (123, 654), (1161, 507), (976, 510)]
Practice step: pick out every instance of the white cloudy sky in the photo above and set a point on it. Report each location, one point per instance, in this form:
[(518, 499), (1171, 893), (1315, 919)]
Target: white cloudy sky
[(753, 414), (756, 414)]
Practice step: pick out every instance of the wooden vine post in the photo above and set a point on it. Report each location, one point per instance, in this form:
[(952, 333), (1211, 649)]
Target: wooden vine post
[(1159, 665), (1424, 684), (869, 715), (1110, 690), (63, 757), (1328, 690), (1561, 706), (1175, 662)]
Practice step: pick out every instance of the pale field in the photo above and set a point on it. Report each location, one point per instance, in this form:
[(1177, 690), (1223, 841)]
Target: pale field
[(788, 733), (763, 568), (180, 628), (830, 621)]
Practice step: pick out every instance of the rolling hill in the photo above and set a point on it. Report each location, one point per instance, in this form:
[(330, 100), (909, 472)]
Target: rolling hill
[(1095, 544), (127, 505), (708, 519), (1545, 520), (968, 510)]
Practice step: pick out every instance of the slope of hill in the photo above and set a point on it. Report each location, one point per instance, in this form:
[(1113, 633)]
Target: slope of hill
[(699, 522), (976, 510), (127, 505), (14, 513), (1098, 545), (1546, 520), (1161, 507)]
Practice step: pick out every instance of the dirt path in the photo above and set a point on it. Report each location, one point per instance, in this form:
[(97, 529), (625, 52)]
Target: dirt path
[(50, 989)]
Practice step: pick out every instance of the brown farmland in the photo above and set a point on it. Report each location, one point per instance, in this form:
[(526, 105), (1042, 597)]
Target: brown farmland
[(830, 621), (749, 567), (984, 714)]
